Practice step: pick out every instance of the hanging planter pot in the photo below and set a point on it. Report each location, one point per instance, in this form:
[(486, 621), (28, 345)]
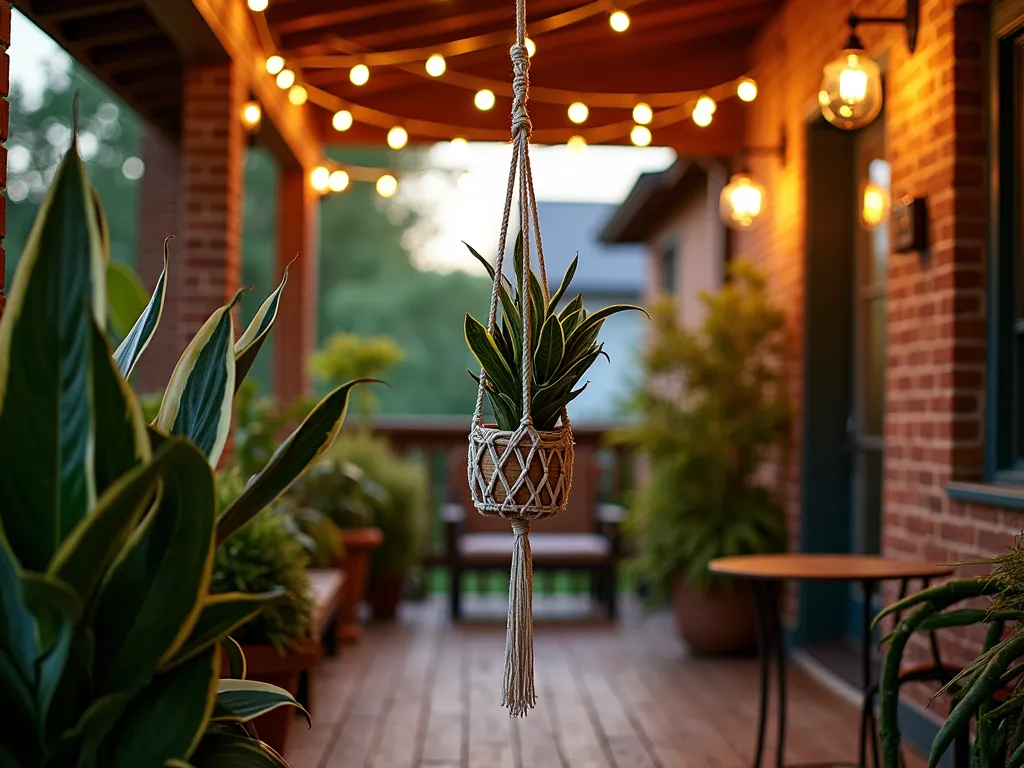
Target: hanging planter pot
[(531, 364)]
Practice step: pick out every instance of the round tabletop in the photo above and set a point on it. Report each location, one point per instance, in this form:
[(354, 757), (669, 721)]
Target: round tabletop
[(826, 567)]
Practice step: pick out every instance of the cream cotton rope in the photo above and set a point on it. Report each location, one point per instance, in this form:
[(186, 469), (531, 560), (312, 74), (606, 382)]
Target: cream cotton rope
[(523, 475)]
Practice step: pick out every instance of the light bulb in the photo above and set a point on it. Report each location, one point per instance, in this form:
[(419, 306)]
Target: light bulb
[(531, 47), (258, 6), (285, 79), (576, 144), (251, 115), (338, 181), (297, 95), (705, 104), (387, 185), (619, 21), (359, 74), (274, 64), (874, 205), (746, 89), (640, 135), (741, 201), (702, 118), (398, 137), (578, 112), (484, 99), (342, 120), (435, 65), (643, 114), (320, 178), (459, 143)]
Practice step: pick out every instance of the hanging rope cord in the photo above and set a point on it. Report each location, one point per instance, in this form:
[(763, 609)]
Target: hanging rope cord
[(518, 690)]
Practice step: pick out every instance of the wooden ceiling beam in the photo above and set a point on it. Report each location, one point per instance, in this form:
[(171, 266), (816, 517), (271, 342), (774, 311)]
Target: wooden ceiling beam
[(141, 53), (50, 11), (301, 15), (121, 26)]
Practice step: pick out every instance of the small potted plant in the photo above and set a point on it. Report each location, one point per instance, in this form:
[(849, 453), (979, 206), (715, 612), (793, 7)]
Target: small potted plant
[(345, 495), (712, 412), (263, 557), (398, 499)]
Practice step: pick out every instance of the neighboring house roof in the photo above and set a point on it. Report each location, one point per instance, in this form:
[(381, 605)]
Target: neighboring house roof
[(568, 228), (654, 198)]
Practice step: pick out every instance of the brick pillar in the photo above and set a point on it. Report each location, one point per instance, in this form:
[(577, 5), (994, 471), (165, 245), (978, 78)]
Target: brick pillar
[(5, 117), (160, 216), (208, 251), (295, 331)]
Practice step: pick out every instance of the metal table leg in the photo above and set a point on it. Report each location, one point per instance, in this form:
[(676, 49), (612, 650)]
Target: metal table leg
[(867, 715), (764, 661), (770, 644)]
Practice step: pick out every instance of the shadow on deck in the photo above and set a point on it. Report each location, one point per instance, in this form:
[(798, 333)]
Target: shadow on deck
[(423, 692)]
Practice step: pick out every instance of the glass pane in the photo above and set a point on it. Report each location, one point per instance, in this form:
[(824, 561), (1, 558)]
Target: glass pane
[(874, 366), (879, 173), (868, 533)]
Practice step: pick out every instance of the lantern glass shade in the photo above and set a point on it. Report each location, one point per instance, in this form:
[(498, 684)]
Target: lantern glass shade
[(741, 201), (851, 90)]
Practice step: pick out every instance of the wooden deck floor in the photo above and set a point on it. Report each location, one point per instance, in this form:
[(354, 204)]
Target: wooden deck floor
[(425, 693)]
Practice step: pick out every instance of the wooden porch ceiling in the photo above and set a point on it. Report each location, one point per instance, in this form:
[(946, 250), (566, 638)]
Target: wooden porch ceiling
[(136, 47), (671, 45)]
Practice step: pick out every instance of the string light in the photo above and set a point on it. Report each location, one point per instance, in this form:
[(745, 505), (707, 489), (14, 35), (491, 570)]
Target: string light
[(459, 142), (342, 120), (258, 6), (747, 89), (484, 99), (640, 135), (702, 118), (576, 144), (706, 104), (387, 185), (643, 114), (359, 74), (398, 137), (320, 178), (297, 95), (578, 112), (619, 21), (251, 115), (285, 79), (338, 181), (531, 47), (274, 64), (435, 65)]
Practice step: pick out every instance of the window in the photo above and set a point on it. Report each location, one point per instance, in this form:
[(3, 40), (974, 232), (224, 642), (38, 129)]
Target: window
[(668, 268), (1005, 396)]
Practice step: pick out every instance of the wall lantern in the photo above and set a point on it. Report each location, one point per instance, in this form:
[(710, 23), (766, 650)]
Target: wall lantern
[(742, 200), (851, 87), (874, 205)]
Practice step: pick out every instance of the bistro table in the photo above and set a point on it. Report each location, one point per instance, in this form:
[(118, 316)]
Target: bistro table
[(765, 572)]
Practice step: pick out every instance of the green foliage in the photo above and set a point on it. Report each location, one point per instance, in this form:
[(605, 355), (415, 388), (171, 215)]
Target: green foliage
[(562, 347), (126, 297), (342, 491), (346, 356), (257, 425), (108, 632), (988, 692), (712, 410), (400, 504), (265, 556)]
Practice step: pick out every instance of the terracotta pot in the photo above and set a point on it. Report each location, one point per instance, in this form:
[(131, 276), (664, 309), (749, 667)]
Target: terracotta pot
[(265, 664), (720, 621), (549, 452), (359, 544), (385, 593)]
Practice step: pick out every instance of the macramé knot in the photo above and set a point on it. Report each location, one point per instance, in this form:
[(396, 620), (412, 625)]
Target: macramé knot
[(521, 527), (520, 90)]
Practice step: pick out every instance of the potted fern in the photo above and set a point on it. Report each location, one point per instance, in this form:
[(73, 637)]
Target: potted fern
[(711, 411)]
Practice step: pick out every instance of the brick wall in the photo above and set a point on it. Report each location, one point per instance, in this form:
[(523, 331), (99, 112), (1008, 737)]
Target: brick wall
[(936, 142), (5, 116)]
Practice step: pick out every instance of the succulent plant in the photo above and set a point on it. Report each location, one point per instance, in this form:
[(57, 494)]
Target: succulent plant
[(562, 344)]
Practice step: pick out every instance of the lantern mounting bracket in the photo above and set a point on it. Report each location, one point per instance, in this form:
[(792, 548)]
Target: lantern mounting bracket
[(910, 22)]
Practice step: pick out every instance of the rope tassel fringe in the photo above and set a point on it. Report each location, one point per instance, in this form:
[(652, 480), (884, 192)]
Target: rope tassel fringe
[(518, 692)]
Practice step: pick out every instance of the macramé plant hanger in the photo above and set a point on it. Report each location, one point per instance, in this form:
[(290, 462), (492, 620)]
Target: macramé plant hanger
[(525, 474)]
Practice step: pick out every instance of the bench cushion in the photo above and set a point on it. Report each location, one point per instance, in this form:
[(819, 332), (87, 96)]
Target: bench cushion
[(547, 548)]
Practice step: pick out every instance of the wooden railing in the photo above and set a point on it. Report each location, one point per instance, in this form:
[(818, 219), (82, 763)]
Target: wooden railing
[(433, 438)]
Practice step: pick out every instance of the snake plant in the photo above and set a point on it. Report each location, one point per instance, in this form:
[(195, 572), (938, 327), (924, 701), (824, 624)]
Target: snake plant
[(111, 644), (562, 345)]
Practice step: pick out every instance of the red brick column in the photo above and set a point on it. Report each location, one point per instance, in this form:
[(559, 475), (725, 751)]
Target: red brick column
[(160, 216), (295, 332), (208, 251), (5, 117)]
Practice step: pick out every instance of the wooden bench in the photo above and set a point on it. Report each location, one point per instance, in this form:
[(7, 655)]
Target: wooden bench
[(584, 538), (325, 586)]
